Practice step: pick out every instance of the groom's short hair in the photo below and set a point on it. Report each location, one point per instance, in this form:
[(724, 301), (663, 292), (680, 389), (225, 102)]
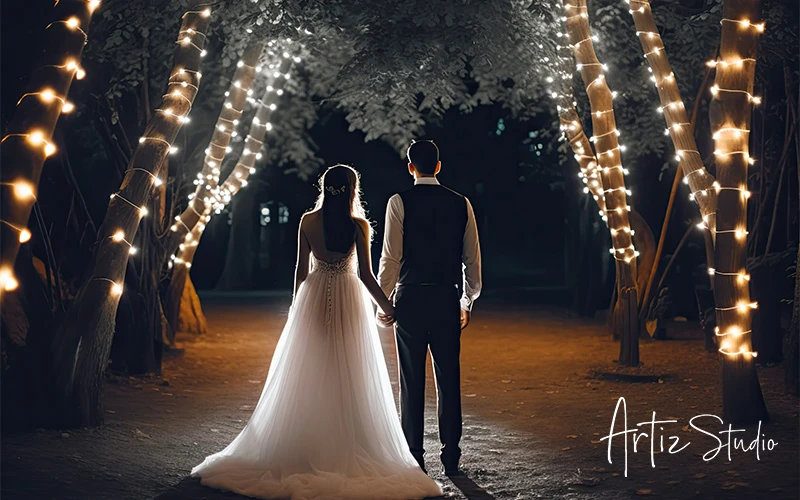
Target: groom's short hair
[(424, 155)]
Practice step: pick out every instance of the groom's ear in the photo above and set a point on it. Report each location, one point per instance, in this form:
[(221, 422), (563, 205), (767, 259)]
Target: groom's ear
[(411, 169), (438, 168)]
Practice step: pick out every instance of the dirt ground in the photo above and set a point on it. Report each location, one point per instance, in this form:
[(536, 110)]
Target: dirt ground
[(535, 413)]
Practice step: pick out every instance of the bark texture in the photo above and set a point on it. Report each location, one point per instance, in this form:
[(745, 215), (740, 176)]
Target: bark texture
[(607, 147), (678, 124), (235, 181), (23, 160), (191, 318), (208, 178), (82, 343), (731, 111)]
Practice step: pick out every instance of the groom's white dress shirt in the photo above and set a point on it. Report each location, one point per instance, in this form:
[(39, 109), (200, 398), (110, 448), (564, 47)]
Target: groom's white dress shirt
[(392, 254)]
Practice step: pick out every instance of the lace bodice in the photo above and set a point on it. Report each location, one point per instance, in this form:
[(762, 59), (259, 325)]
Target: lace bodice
[(346, 264)]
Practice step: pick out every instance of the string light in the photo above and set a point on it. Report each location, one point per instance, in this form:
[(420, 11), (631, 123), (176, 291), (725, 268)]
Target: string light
[(741, 307), (621, 250), (740, 277), (24, 233), (35, 138), (727, 346), (737, 132), (156, 180), (745, 24), (674, 112), (142, 210), (733, 62), (116, 288), (7, 280), (22, 190), (47, 96), (716, 89)]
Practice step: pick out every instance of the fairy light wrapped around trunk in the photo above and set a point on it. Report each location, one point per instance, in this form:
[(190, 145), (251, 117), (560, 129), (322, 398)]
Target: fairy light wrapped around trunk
[(260, 125), (608, 150), (219, 146), (82, 343), (216, 199), (572, 128), (584, 154), (679, 127), (731, 111), (29, 138)]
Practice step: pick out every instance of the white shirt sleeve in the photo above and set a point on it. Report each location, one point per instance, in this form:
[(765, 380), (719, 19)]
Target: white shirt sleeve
[(471, 257), (392, 254)]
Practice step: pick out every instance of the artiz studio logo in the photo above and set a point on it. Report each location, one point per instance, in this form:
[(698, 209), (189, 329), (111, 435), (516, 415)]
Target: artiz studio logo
[(651, 437)]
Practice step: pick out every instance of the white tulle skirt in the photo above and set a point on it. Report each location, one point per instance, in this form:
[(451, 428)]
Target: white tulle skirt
[(325, 426)]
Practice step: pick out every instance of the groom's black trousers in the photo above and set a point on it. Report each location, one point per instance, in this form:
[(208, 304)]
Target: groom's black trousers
[(430, 315)]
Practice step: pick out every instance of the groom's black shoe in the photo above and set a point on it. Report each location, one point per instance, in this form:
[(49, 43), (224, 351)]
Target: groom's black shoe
[(453, 471)]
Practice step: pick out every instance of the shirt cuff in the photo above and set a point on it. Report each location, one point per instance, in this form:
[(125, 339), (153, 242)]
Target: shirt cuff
[(466, 303)]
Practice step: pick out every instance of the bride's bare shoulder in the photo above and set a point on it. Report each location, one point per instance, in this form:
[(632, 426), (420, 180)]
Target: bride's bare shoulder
[(363, 224), (310, 216)]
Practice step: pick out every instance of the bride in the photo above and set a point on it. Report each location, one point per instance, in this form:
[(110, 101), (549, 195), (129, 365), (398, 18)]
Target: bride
[(326, 426)]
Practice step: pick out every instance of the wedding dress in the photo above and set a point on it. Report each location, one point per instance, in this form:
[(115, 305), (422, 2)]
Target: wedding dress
[(325, 426)]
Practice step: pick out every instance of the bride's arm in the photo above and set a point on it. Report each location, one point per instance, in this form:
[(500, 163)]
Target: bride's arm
[(303, 252), (365, 268)]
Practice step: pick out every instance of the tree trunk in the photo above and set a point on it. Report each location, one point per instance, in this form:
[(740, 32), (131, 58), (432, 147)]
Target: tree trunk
[(584, 153), (82, 343), (646, 243), (180, 273), (731, 111), (191, 318), (28, 139), (612, 173), (208, 178), (233, 183), (681, 130), (240, 257)]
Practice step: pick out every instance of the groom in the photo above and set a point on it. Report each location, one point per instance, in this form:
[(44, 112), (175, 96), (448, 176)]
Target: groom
[(431, 262)]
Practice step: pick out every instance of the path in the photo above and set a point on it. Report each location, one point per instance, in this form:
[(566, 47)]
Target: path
[(533, 416)]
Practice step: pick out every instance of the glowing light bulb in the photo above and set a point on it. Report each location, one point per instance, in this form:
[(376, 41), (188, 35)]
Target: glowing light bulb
[(24, 236), (118, 236), (72, 22), (7, 280), (22, 190), (36, 138), (116, 289), (67, 107)]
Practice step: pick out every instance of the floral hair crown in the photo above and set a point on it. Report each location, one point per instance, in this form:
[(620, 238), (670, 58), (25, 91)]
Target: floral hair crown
[(332, 190)]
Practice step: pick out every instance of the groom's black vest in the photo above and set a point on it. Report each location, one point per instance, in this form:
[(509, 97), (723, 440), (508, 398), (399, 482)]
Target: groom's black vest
[(434, 222)]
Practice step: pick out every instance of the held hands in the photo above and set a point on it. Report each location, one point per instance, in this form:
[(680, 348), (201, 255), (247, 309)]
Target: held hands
[(385, 316), (465, 316)]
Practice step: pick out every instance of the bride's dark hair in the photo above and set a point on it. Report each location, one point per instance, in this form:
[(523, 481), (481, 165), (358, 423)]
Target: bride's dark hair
[(340, 201)]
